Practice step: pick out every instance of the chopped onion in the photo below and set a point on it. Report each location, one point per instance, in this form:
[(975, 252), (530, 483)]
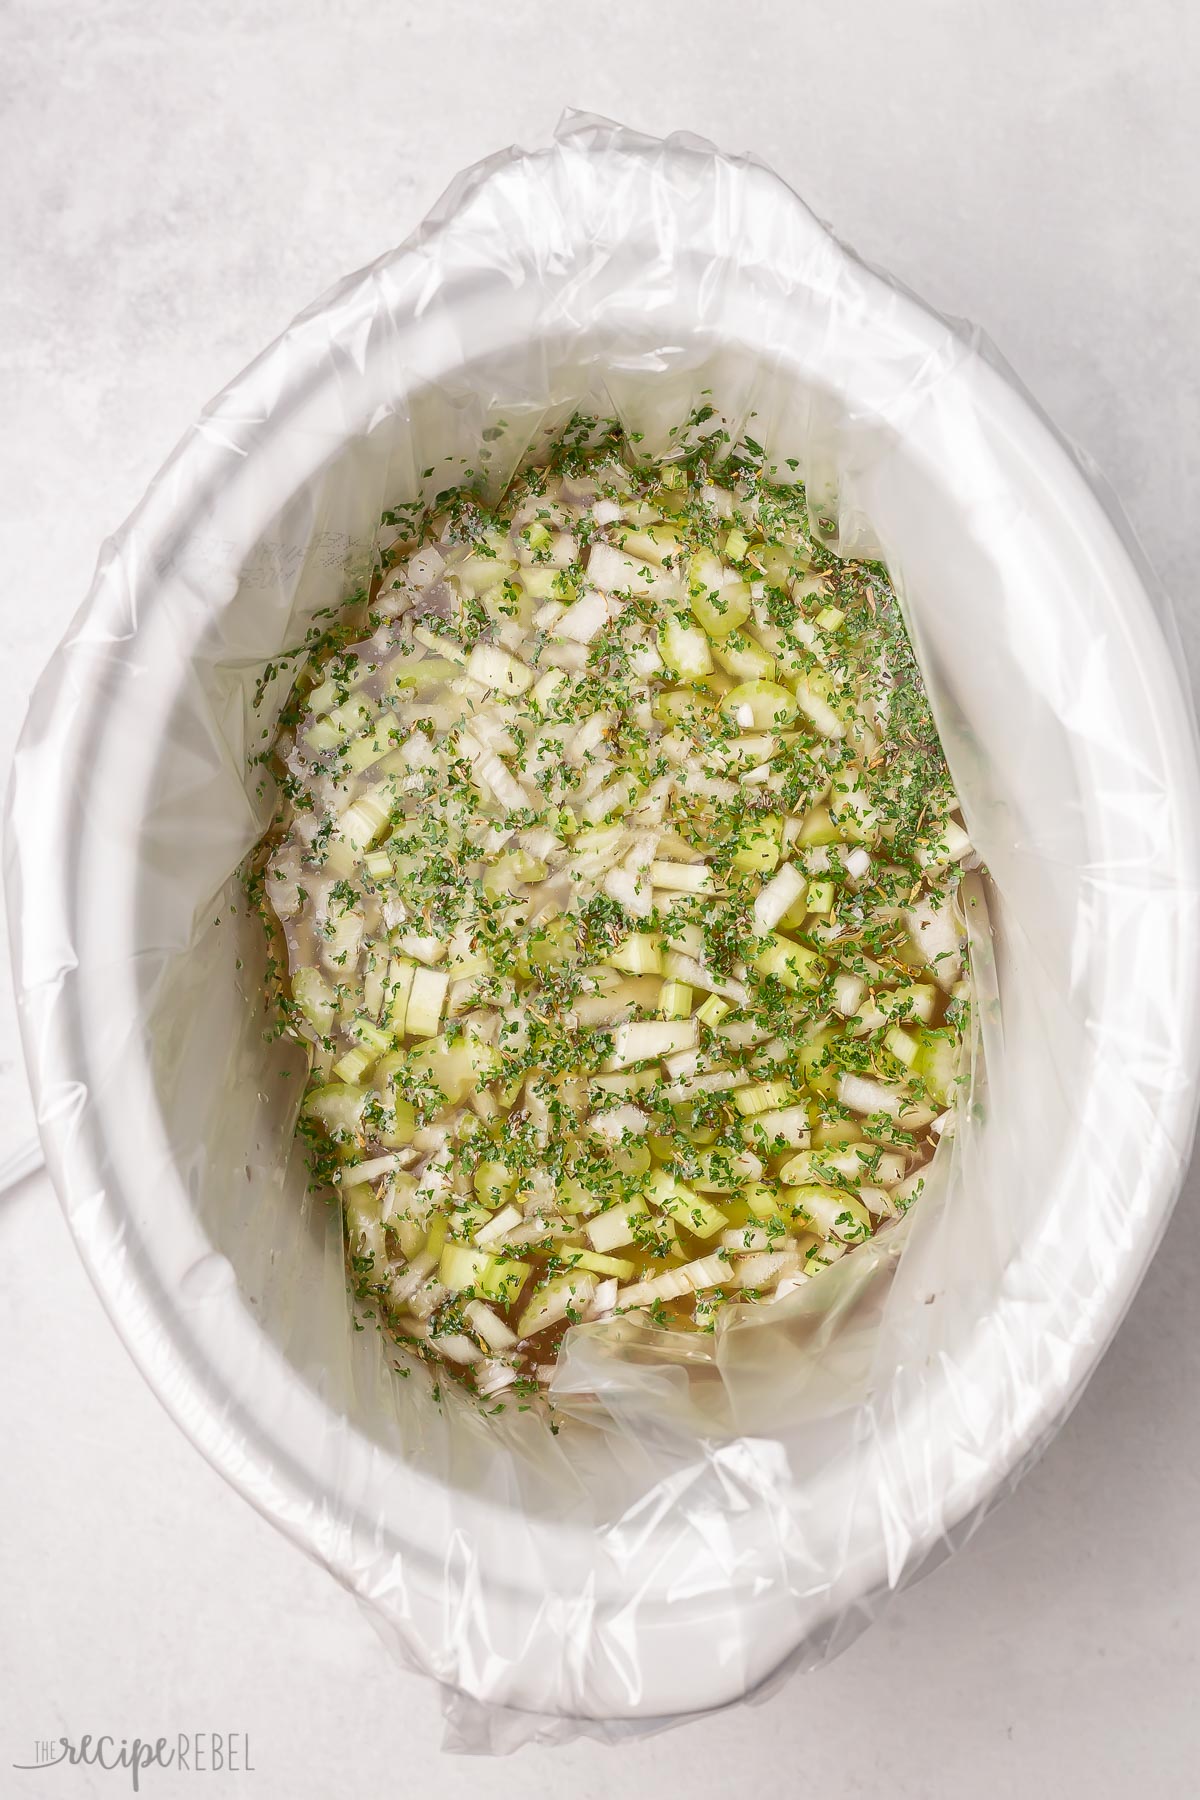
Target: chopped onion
[(686, 878), (646, 1040), (496, 1227), (616, 573), (617, 1120), (863, 1096), (848, 991), (372, 1170), (588, 616), (603, 1300), (495, 668), (425, 566), (678, 966), (456, 1347), (764, 1269), (715, 1081), (494, 1377), (935, 934)]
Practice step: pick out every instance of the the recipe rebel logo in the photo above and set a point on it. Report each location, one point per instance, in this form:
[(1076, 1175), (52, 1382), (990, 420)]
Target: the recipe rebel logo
[(195, 1753)]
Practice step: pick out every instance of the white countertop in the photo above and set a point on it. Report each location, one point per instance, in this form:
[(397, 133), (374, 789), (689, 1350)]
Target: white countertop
[(181, 180)]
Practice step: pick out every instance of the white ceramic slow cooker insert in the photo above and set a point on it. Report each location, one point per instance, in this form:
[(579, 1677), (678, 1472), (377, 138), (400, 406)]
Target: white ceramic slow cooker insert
[(619, 274)]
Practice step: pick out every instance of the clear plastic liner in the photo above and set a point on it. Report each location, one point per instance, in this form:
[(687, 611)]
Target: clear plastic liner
[(708, 1515)]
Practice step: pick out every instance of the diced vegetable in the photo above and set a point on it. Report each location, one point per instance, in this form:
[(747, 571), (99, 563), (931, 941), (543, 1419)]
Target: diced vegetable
[(712, 1011), (354, 1065), (682, 878), (565, 1297), (636, 1043), (832, 1213), (495, 668), (337, 1107), (426, 998), (758, 844), (791, 963), (776, 896), (759, 705), (608, 1230), (504, 1280), (675, 1000), (814, 700), (461, 1267), (488, 1325), (619, 1267), (718, 598), (679, 1201), (762, 1096), (640, 954), (685, 651), (315, 998), (768, 1132)]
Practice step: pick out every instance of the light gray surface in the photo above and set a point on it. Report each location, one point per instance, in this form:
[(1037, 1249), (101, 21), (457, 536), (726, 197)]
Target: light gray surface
[(180, 181)]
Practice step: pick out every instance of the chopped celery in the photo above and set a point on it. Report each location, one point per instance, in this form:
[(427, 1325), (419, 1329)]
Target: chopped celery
[(573, 1198), (831, 1212), (455, 1068), (495, 668), (680, 1202), (638, 954), (759, 705), (426, 998), (315, 998), (791, 963), (711, 1011), (363, 821), (741, 656), (674, 1000), (337, 1106), (762, 1198), (759, 843), (818, 1068), (619, 1225), (815, 698), (592, 1260), (354, 1065), (762, 1096), (396, 990), (462, 1267), (367, 1034), (818, 828), (505, 1280), (643, 1042), (718, 599), (902, 1045), (670, 706), (399, 1124), (685, 650), (937, 1063), (493, 1183), (564, 1297), (720, 1171)]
